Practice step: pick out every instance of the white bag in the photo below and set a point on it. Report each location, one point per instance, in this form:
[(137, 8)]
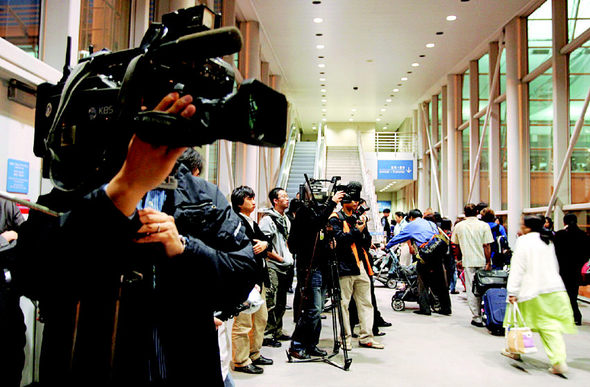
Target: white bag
[(519, 338), (254, 302)]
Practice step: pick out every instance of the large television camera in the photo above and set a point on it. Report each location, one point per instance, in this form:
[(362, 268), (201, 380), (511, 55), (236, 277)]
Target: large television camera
[(84, 123), (322, 190)]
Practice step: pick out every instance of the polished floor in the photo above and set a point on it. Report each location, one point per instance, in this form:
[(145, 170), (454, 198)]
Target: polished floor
[(427, 351)]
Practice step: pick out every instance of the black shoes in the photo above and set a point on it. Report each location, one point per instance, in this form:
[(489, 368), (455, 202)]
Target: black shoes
[(249, 369), (378, 333), (478, 324), (271, 343), (444, 312), (283, 337), (384, 324), (454, 292), (421, 312), (262, 361), (301, 355), (315, 351)]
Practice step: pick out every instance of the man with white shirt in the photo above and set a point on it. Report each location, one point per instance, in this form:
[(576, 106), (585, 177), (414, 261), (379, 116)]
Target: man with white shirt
[(474, 238), (277, 227)]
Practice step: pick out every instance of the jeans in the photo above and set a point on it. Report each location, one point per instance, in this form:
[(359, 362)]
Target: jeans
[(309, 325)]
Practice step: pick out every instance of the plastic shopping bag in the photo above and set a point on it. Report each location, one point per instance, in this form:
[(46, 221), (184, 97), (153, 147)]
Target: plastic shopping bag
[(519, 338)]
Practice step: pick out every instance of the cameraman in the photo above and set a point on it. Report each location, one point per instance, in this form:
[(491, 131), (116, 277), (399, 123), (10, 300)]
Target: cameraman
[(312, 246), (116, 283), (354, 267)]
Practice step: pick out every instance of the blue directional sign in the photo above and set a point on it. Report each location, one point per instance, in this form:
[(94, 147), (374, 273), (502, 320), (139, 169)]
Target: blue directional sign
[(395, 169), (17, 176)]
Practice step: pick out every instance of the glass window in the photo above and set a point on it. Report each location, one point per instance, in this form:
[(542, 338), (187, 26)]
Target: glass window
[(212, 167), (465, 145), (484, 177), (484, 78), (541, 138), (503, 157), (579, 80), (466, 112), (19, 24), (578, 17), (153, 10), (440, 115), (503, 72), (104, 24), (430, 128), (539, 35)]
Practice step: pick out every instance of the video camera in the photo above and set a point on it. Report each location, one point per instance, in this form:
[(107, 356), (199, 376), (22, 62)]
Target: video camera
[(318, 190), (84, 123)]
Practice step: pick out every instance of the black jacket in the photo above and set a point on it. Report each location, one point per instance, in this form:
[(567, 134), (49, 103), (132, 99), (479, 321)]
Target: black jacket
[(256, 233), (346, 260), (571, 248), (83, 256)]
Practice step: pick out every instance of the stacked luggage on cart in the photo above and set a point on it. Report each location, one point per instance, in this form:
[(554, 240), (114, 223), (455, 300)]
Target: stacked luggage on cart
[(490, 285)]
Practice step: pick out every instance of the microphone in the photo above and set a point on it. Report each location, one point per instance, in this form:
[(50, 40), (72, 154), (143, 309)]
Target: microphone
[(208, 44)]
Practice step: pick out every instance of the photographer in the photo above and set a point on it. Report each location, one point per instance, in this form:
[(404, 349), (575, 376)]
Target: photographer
[(115, 283), (310, 242), (354, 267)]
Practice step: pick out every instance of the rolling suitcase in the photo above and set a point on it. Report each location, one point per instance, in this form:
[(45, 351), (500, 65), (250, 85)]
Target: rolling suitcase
[(494, 306)]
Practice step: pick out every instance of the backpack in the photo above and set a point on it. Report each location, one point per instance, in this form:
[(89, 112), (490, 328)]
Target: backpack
[(500, 247)]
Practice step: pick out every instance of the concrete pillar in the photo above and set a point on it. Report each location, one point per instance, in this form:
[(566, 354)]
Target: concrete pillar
[(423, 171), (561, 124), (517, 126), (473, 132), (494, 166), (433, 108), (140, 21), (444, 197), (246, 172), (275, 153), (54, 35), (453, 167)]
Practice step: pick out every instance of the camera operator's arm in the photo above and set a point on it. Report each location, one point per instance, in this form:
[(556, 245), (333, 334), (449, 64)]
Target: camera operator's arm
[(146, 165), (10, 219)]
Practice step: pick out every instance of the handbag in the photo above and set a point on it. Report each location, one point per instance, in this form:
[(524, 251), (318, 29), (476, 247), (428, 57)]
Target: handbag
[(487, 279), (437, 246), (519, 338)]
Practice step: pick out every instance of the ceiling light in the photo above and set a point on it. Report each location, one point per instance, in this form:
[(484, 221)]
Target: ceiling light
[(324, 100), (320, 20), (383, 110), (322, 79), (395, 90), (422, 56), (404, 78), (323, 110), (377, 119), (353, 109), (351, 119), (320, 46), (323, 119), (388, 100), (449, 18), (313, 127), (321, 65), (429, 45), (415, 64), (323, 90)]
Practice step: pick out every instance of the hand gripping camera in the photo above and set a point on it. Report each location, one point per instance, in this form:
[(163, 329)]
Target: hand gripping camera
[(84, 123)]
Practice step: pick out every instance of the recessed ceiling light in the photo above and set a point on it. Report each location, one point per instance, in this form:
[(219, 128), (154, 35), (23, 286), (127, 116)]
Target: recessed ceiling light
[(388, 100), (395, 90), (324, 100), (313, 127), (404, 78), (323, 110), (323, 90), (353, 109), (415, 64), (323, 119), (383, 110), (422, 55), (385, 127), (321, 65), (377, 119), (351, 119), (322, 79), (320, 20), (449, 18), (320, 46), (429, 45)]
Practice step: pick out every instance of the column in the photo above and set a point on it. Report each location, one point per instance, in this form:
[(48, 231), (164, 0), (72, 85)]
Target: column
[(517, 126), (53, 48), (561, 124), (444, 197), (473, 131), (423, 174), (140, 21), (452, 165), (433, 139), (494, 166)]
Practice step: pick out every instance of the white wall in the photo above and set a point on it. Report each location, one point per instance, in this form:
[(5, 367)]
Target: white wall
[(345, 134)]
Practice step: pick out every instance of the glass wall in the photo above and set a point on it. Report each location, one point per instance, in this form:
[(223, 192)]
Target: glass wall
[(539, 35), (440, 114), (579, 82), (578, 17), (466, 182), (465, 109), (541, 138), (19, 24), (104, 24), (484, 78), (484, 177), (503, 72), (503, 157)]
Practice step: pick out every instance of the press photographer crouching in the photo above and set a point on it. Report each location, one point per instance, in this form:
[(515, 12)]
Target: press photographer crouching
[(352, 245), (312, 244)]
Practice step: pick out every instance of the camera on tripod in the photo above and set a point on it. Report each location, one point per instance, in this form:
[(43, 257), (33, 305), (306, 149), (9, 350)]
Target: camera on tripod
[(84, 123)]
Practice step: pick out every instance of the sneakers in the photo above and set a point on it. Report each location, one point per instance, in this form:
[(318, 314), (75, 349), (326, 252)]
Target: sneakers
[(372, 344), (559, 369)]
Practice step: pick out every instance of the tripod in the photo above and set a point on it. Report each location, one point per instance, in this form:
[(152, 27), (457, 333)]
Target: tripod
[(337, 321)]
